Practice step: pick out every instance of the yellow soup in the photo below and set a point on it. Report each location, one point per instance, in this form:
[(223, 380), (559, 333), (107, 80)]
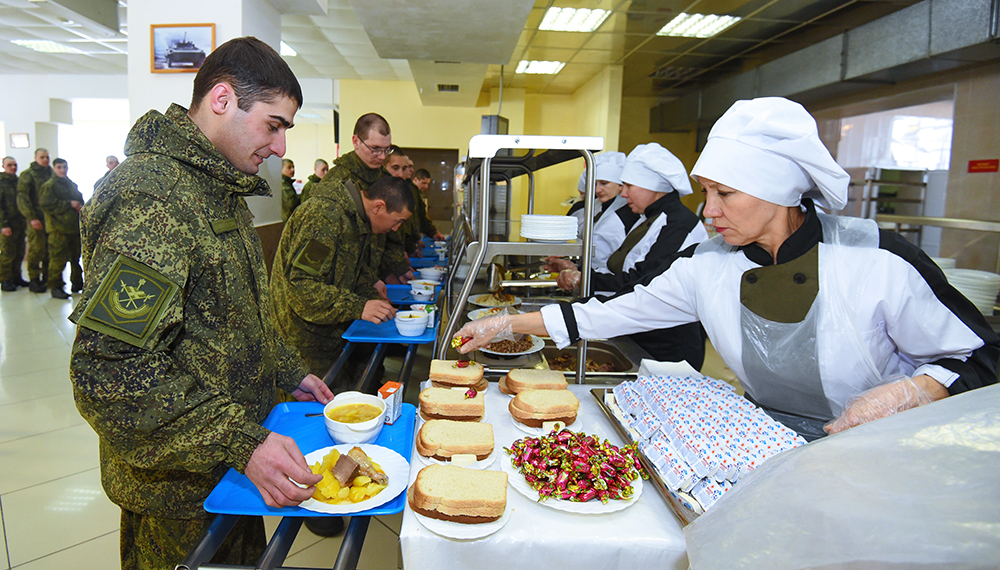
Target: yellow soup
[(354, 413)]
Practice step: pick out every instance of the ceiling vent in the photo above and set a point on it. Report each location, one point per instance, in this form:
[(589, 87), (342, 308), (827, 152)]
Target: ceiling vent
[(447, 88)]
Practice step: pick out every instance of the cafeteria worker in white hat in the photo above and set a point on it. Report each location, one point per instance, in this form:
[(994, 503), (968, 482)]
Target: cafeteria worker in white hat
[(607, 199), (827, 321)]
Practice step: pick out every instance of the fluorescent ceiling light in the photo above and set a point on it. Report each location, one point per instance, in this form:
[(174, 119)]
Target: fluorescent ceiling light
[(539, 67), (573, 20), (697, 25), (287, 50), (45, 46)]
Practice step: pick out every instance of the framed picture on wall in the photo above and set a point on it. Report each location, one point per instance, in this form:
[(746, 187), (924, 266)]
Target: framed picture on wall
[(19, 140), (179, 48)]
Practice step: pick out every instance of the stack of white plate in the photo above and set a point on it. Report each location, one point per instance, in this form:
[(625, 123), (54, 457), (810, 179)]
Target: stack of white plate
[(980, 287), (548, 228), (944, 262)]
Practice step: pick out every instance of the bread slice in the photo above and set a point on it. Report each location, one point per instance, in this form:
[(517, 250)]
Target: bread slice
[(448, 373), (441, 439), (480, 387), (448, 404), (535, 407), (521, 379), (469, 496)]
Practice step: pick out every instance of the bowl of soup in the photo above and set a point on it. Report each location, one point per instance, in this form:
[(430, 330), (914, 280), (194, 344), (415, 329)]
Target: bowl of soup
[(353, 417)]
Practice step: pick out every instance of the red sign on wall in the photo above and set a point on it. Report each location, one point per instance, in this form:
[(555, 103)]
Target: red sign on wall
[(991, 165)]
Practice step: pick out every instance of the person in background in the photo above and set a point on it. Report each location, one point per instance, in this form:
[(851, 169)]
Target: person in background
[(28, 185), (320, 168), (177, 360), (289, 198), (408, 169), (61, 201), (396, 165), (422, 180), (12, 229), (112, 162)]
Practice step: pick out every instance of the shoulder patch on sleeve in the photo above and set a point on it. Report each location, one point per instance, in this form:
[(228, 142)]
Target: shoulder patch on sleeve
[(312, 257), (129, 303)]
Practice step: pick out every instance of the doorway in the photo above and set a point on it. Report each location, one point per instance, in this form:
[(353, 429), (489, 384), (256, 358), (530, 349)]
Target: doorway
[(441, 163)]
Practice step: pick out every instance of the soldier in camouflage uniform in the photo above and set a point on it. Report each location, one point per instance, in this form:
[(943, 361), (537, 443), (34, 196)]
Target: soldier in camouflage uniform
[(61, 200), (324, 276), (372, 139), (289, 199), (12, 227), (320, 168), (177, 360), (395, 165), (28, 185)]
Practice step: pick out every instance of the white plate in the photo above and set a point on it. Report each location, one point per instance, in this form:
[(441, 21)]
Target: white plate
[(461, 531), (536, 344), (477, 314), (481, 464), (539, 432), (474, 301), (592, 507), (397, 468)]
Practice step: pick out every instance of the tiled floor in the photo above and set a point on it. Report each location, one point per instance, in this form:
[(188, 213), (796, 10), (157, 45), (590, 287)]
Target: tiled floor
[(54, 512)]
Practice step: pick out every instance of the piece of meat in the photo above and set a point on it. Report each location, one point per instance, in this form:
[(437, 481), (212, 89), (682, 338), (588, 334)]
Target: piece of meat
[(365, 466), (344, 471)]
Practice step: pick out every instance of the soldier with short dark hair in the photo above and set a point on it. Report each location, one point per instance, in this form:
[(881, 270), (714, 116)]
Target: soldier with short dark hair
[(177, 361), (28, 185), (12, 229), (61, 200)]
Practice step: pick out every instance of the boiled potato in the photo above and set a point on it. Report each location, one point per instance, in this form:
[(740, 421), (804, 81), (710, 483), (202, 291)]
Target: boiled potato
[(330, 491)]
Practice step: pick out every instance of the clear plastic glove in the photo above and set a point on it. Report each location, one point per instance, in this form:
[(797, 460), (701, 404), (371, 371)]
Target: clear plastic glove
[(886, 400), (479, 333), (555, 264), (568, 279)]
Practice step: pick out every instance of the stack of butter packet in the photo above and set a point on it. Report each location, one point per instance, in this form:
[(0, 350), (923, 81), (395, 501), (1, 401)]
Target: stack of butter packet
[(700, 435)]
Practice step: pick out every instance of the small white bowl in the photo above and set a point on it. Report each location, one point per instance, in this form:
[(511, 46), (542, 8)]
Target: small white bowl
[(411, 323), (430, 274), (423, 285), (440, 244), (421, 295), (363, 432)]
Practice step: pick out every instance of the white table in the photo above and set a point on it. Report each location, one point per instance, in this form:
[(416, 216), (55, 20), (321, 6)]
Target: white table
[(645, 535)]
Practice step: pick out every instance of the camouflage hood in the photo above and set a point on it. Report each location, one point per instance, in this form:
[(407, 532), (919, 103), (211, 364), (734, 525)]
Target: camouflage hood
[(176, 136)]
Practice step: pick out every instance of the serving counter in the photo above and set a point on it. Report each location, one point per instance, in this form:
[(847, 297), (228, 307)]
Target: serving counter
[(645, 535)]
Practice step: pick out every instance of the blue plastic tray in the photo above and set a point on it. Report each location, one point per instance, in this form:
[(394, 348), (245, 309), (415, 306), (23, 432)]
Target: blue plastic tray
[(421, 262), (365, 331), (400, 295), (236, 495)]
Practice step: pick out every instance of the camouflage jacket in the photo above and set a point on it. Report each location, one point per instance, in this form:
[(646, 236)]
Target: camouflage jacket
[(176, 357), (54, 200), (426, 225), (10, 216), (289, 199), (324, 269), (392, 252), (312, 181), (28, 185)]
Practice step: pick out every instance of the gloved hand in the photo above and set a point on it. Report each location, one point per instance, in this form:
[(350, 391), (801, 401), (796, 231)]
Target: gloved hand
[(886, 400), (555, 264), (568, 279), (477, 334)]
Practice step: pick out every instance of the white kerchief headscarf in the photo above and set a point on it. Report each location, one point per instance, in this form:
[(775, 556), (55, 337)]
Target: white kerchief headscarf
[(655, 168), (769, 148)]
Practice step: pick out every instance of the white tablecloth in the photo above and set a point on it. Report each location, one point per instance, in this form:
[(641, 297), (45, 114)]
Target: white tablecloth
[(645, 535)]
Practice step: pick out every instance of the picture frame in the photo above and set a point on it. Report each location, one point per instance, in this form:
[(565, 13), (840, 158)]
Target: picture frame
[(19, 140), (179, 48)]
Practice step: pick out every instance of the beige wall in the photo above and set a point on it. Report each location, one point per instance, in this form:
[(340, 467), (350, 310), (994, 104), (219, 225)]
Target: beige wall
[(307, 142)]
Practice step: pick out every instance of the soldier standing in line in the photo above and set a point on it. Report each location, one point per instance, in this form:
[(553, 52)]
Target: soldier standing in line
[(289, 199), (177, 360), (320, 168), (112, 162), (61, 200), (28, 185), (12, 228)]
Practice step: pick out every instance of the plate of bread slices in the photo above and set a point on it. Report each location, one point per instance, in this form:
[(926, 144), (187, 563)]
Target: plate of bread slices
[(448, 442), (532, 410), (459, 503), (522, 379), (459, 404), (355, 478)]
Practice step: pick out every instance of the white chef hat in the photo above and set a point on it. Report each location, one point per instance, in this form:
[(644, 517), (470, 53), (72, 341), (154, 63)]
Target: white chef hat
[(607, 167), (655, 168), (769, 148)]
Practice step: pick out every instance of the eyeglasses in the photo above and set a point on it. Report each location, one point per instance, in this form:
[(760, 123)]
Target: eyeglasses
[(377, 151)]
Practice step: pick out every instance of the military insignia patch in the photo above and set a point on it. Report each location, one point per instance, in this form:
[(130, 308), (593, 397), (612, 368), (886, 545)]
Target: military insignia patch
[(130, 302), (312, 257)]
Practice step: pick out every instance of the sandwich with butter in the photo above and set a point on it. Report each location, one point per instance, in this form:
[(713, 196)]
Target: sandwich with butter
[(456, 494), (442, 439), (449, 404), (457, 374), (535, 407), (521, 379)]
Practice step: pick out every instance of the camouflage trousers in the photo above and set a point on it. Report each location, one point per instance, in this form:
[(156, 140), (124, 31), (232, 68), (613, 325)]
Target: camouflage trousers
[(63, 249), (36, 256), (12, 252), (154, 543)]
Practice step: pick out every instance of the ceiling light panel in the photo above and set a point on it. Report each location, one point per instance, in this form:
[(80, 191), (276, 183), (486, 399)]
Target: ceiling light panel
[(573, 19), (697, 25), (539, 67), (46, 46)]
